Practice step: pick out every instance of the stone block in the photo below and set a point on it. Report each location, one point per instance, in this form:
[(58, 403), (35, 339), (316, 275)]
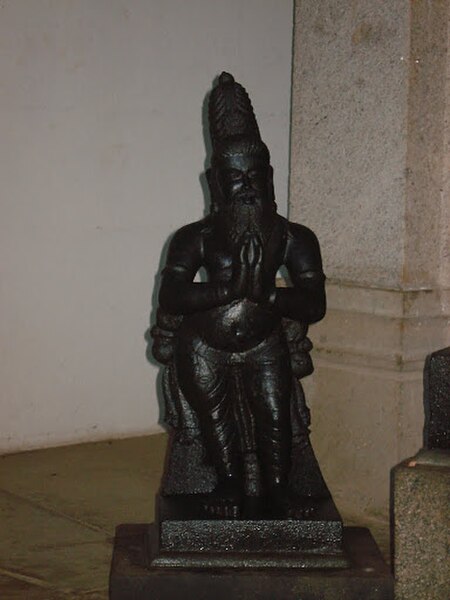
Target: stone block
[(437, 400), (422, 527)]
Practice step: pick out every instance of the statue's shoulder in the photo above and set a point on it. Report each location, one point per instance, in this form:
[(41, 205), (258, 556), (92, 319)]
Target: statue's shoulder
[(300, 234), (192, 233), (302, 248)]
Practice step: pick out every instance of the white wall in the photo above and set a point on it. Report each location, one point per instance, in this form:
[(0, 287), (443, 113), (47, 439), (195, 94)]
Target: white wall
[(101, 151)]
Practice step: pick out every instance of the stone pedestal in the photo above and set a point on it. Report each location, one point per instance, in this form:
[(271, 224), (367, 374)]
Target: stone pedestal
[(369, 175), (184, 536), (132, 579), (422, 526)]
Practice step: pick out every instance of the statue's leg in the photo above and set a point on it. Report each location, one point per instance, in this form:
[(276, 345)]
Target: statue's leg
[(268, 385), (205, 385)]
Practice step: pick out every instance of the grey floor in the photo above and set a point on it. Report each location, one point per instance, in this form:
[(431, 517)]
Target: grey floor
[(59, 508)]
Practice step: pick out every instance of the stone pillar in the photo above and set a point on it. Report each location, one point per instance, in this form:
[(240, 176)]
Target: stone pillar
[(370, 158)]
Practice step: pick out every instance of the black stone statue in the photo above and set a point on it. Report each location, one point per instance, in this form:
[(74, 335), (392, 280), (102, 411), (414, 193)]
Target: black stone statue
[(236, 345), (243, 510)]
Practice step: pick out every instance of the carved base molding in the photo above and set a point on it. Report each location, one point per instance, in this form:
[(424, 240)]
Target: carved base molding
[(366, 392)]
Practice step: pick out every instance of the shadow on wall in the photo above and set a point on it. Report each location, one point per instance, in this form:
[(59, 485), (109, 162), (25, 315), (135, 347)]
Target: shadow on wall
[(201, 274)]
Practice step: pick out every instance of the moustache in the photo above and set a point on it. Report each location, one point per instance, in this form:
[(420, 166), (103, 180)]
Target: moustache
[(247, 197)]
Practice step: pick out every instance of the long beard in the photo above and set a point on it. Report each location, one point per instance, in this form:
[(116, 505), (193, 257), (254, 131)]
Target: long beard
[(238, 218)]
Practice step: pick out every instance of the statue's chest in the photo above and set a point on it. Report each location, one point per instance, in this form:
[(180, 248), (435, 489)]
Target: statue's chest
[(218, 262)]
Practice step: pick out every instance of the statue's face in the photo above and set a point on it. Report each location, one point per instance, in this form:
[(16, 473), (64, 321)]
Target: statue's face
[(244, 178), (243, 191)]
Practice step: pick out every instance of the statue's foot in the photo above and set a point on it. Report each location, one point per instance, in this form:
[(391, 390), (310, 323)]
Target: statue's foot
[(283, 504), (224, 502), (300, 509)]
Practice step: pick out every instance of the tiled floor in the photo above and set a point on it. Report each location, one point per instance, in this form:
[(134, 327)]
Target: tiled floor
[(58, 511), (59, 508)]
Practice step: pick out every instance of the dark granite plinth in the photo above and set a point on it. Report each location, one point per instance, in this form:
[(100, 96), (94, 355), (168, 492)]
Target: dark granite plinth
[(367, 577)]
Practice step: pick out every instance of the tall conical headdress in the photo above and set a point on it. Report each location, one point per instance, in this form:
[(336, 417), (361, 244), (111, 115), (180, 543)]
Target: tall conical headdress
[(232, 120)]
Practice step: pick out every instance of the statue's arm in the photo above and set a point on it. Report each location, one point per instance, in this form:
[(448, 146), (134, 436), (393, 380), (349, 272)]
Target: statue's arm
[(179, 294), (305, 301)]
